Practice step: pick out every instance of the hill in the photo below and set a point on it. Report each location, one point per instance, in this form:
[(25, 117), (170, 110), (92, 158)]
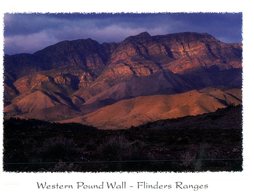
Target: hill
[(144, 109)]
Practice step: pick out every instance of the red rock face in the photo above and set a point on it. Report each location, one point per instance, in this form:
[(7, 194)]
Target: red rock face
[(83, 75), (177, 53)]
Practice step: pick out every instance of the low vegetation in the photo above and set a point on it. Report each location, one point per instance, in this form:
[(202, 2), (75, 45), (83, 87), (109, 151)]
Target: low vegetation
[(206, 142)]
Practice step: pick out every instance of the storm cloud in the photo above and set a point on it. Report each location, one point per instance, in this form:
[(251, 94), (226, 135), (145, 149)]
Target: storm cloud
[(27, 33)]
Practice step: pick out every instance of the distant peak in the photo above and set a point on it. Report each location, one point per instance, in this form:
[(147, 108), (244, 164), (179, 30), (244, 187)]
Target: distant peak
[(143, 34), (140, 36)]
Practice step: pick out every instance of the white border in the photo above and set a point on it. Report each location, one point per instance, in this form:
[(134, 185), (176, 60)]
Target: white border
[(220, 182)]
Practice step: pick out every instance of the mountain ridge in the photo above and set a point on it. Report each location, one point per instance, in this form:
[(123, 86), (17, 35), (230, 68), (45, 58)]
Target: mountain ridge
[(84, 75)]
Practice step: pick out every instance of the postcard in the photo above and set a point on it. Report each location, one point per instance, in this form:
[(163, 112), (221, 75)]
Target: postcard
[(129, 102)]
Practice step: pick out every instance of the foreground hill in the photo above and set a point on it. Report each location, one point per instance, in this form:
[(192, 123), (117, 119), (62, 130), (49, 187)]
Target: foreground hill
[(143, 109), (210, 141)]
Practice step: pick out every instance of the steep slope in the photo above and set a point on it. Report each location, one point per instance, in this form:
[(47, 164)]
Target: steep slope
[(84, 59), (159, 83), (85, 53), (193, 60), (140, 110), (177, 52), (32, 102), (41, 105)]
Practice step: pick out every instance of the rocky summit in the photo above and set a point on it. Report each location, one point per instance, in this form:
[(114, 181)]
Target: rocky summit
[(83, 80)]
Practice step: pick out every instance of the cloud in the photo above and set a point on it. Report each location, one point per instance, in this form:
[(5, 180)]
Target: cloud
[(28, 43), (31, 32)]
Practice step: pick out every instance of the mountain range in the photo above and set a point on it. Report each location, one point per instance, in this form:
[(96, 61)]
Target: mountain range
[(144, 78)]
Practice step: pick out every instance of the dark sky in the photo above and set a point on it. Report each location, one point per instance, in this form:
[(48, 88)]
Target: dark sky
[(27, 33)]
